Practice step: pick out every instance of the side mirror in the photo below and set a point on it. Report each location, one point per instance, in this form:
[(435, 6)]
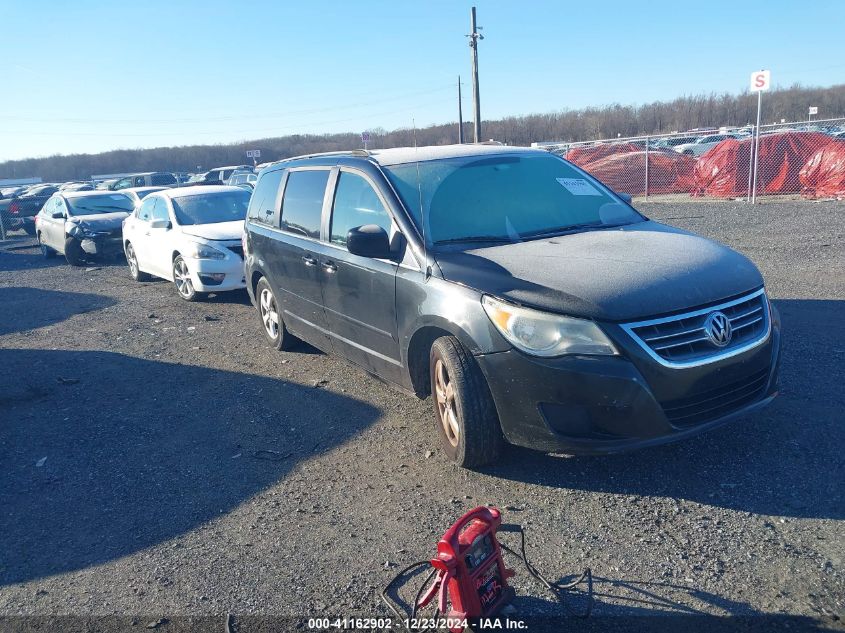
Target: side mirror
[(56, 215), (160, 224), (626, 197), (370, 241)]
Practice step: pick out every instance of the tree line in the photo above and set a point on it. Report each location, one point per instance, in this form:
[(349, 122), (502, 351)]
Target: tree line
[(683, 113)]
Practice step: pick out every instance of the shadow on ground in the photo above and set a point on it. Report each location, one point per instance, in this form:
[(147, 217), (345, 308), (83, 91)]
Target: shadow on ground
[(23, 308), (785, 460), (106, 454)]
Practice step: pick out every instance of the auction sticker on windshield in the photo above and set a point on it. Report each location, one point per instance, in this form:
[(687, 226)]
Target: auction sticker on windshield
[(579, 187)]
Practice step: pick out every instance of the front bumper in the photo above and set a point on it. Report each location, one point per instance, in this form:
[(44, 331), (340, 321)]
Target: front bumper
[(599, 405), (102, 246), (203, 272)]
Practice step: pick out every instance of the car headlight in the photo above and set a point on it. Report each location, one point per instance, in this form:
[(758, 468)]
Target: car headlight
[(545, 334), (195, 250)]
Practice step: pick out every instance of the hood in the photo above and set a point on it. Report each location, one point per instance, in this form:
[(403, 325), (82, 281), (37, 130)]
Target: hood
[(642, 270), (218, 231), (101, 221)]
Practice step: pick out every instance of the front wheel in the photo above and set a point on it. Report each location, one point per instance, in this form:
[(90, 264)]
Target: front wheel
[(182, 280), (271, 318), (466, 417), (74, 254)]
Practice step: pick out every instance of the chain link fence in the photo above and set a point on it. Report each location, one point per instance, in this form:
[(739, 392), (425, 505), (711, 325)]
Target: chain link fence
[(805, 159)]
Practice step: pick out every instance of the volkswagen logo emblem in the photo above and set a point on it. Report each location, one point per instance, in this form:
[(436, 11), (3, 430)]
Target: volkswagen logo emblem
[(718, 329)]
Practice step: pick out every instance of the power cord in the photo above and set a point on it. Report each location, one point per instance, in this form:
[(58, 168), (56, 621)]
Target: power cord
[(557, 588)]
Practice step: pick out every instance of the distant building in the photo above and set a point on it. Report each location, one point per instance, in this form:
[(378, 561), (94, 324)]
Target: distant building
[(17, 182)]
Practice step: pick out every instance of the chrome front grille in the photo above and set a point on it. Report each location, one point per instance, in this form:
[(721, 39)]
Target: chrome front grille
[(690, 339)]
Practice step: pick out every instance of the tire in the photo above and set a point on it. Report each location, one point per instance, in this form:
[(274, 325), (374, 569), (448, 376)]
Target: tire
[(464, 411), (272, 326), (132, 260), (74, 254), (29, 229), (182, 280), (46, 251)]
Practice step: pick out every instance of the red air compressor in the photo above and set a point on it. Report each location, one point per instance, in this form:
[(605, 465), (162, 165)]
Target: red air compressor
[(469, 572)]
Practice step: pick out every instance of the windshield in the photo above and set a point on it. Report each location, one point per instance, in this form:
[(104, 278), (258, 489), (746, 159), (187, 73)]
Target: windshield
[(144, 193), (44, 190), (105, 203), (211, 208), (505, 198)]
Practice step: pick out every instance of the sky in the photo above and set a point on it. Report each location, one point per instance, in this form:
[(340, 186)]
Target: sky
[(89, 76)]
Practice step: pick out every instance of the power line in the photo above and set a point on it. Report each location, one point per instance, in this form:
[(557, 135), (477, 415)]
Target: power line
[(220, 132), (100, 121)]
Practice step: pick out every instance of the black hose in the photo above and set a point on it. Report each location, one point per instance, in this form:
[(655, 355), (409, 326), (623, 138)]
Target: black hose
[(557, 588), (395, 608)]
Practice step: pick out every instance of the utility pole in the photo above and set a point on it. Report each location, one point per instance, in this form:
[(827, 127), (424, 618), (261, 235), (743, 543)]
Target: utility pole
[(474, 36), (460, 115)]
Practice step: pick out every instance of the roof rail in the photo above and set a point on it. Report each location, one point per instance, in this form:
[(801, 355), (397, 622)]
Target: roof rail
[(347, 152)]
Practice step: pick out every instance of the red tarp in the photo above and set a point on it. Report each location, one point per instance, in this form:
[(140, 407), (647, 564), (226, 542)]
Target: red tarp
[(668, 172), (824, 174), (723, 170), (582, 156)]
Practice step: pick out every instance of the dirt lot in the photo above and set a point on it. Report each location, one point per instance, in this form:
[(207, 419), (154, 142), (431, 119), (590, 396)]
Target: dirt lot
[(159, 461)]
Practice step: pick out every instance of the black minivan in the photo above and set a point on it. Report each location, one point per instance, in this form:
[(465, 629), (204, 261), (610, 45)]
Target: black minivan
[(536, 305)]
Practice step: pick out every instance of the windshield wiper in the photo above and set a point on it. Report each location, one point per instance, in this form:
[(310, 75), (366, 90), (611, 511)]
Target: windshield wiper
[(498, 239), (566, 228)]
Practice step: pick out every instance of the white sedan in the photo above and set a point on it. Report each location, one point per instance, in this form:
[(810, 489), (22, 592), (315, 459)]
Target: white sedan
[(190, 236), (702, 144)]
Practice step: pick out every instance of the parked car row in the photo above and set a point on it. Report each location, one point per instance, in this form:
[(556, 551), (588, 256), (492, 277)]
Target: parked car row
[(20, 204), (532, 302)]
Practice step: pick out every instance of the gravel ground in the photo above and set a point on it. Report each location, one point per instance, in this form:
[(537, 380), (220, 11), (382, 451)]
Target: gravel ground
[(159, 461)]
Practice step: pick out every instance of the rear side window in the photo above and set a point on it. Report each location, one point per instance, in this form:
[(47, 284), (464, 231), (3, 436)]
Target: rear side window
[(302, 206), (356, 204), (163, 179), (262, 205)]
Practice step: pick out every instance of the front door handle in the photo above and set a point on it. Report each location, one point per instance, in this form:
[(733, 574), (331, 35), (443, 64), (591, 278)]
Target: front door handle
[(309, 261), (330, 267)]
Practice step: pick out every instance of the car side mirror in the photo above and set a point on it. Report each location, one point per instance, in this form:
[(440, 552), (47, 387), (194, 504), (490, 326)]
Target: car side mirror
[(370, 241), (160, 224), (57, 215)]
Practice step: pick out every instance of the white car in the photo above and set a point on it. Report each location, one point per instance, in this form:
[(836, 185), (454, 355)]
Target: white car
[(698, 147), (190, 236), (139, 193)]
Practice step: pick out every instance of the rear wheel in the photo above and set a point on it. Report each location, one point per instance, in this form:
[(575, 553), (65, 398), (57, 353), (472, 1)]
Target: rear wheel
[(46, 251), (29, 228), (132, 260), (271, 318), (463, 407), (182, 280), (74, 254)]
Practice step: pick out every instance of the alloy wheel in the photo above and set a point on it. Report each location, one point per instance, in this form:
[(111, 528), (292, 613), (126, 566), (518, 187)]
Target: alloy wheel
[(182, 278), (269, 313), (131, 260), (446, 407)]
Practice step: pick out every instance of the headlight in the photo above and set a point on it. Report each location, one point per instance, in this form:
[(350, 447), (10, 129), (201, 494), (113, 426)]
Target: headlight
[(196, 250), (544, 334)]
